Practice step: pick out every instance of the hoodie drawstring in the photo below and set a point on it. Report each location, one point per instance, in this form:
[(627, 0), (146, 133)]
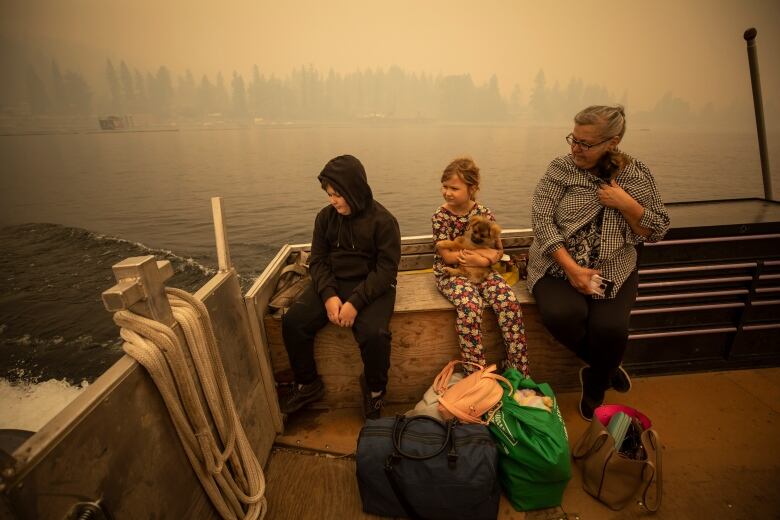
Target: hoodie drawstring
[(338, 234)]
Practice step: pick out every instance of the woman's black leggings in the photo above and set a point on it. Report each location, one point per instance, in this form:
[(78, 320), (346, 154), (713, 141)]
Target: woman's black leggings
[(594, 329)]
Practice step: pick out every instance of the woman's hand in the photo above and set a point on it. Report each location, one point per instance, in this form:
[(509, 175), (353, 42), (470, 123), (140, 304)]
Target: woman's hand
[(579, 278), (613, 196), (333, 308)]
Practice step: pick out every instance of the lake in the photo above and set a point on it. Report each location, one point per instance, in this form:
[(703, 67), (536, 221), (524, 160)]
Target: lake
[(154, 187)]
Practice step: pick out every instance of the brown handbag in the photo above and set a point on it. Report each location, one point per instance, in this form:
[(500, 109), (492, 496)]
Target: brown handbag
[(611, 477)]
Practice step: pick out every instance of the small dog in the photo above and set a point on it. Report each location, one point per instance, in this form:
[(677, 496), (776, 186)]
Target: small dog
[(481, 233), (610, 164)]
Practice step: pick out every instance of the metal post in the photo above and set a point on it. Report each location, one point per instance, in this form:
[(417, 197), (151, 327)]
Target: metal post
[(758, 104)]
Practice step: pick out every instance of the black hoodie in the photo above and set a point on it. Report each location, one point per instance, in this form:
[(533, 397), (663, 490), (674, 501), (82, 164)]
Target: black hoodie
[(364, 245)]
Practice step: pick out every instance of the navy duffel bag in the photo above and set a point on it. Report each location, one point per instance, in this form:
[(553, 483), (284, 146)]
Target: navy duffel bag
[(420, 467)]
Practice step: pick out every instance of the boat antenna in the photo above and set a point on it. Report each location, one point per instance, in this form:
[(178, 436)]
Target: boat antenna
[(758, 105)]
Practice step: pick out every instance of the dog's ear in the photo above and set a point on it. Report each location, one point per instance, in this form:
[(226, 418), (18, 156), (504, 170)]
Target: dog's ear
[(495, 233), (495, 230)]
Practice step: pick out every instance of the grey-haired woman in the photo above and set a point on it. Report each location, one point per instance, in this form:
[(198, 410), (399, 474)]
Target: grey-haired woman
[(590, 210)]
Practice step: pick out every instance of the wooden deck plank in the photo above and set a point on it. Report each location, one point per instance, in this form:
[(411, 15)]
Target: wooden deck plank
[(309, 485)]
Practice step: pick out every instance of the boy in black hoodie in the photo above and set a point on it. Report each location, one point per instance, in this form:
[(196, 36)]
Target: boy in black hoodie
[(355, 250)]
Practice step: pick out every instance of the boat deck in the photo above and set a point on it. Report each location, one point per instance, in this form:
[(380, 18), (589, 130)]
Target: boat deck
[(719, 430)]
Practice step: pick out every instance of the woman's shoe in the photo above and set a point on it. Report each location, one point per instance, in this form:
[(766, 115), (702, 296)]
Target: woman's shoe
[(620, 381), (588, 400)]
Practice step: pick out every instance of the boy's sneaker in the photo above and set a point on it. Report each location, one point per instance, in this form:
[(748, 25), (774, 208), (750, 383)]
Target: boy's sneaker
[(372, 406), (302, 395), (587, 403), (620, 381)]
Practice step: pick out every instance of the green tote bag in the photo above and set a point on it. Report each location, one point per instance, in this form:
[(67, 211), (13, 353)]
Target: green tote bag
[(533, 447)]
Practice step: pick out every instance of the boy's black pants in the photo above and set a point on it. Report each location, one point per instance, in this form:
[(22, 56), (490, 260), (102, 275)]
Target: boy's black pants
[(371, 331), (594, 329)]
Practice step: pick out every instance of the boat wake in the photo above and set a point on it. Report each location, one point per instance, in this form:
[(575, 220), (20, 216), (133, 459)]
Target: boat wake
[(52, 321), (28, 406)]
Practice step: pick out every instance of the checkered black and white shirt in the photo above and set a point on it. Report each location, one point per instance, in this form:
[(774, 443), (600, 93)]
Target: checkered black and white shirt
[(565, 200)]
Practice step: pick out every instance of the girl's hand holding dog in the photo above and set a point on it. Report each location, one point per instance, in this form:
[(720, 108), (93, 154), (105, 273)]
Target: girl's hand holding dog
[(333, 308), (469, 258)]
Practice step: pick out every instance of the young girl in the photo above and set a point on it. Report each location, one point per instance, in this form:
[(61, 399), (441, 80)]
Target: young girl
[(459, 185)]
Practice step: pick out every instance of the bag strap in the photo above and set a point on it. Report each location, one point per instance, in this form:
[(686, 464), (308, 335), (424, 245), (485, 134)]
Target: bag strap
[(499, 377), (297, 268), (398, 436), (303, 258), (653, 448), (590, 442), (398, 454), (443, 377)]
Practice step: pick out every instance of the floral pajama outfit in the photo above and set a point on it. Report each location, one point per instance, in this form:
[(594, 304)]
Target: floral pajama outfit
[(470, 298)]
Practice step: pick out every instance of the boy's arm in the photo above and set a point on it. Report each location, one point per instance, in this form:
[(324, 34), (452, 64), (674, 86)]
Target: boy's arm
[(319, 262), (383, 277)]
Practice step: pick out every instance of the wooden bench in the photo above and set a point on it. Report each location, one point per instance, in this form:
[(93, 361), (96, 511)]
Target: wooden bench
[(424, 340)]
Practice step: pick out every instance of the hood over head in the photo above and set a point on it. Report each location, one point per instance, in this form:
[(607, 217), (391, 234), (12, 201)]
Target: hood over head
[(347, 176)]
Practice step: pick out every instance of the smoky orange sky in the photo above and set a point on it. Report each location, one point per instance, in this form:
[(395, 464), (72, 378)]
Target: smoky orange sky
[(639, 48)]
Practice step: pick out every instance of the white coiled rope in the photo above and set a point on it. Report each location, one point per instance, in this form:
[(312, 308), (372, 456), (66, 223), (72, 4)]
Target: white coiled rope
[(226, 466)]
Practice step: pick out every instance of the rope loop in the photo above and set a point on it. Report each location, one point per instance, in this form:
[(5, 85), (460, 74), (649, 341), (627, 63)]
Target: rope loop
[(191, 380)]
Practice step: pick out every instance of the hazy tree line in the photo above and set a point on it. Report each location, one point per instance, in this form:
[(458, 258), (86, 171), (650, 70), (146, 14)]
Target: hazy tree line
[(61, 93), (305, 94), (308, 94)]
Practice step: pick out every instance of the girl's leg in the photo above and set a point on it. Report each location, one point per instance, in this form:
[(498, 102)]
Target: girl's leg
[(468, 323), (502, 299)]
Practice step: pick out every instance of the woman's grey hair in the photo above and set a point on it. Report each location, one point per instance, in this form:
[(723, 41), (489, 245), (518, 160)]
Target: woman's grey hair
[(611, 119)]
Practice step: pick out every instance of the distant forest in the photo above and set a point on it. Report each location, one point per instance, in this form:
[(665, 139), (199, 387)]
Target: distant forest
[(307, 94)]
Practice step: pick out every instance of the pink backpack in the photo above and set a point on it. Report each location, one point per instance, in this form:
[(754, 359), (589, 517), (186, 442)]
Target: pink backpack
[(473, 396)]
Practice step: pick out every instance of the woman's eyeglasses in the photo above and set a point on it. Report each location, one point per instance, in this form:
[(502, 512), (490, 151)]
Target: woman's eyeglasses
[(585, 146)]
